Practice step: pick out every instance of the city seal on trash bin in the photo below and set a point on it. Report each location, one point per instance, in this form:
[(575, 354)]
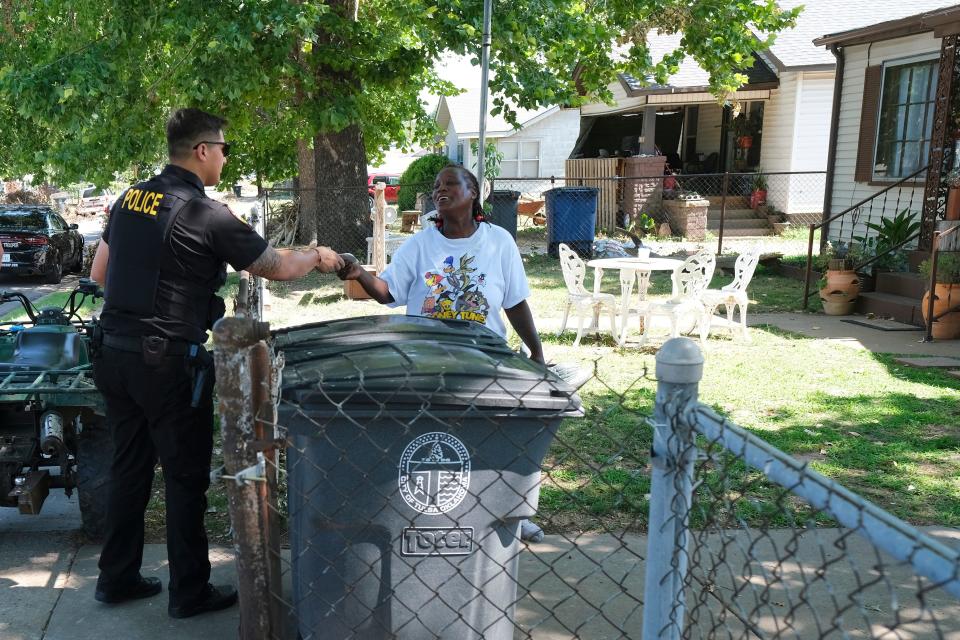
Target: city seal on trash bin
[(434, 473)]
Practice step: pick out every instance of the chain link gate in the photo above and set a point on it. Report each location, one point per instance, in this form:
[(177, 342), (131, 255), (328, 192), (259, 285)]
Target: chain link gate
[(749, 542)]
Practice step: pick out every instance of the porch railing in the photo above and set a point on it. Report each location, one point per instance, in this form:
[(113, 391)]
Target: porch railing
[(854, 221)]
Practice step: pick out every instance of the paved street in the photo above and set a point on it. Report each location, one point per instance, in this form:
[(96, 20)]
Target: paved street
[(32, 287)]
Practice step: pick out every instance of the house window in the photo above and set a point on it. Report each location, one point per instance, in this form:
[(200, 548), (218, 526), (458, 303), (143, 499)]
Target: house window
[(521, 159), (904, 126)]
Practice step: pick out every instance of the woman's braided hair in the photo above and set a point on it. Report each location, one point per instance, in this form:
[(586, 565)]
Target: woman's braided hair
[(476, 208)]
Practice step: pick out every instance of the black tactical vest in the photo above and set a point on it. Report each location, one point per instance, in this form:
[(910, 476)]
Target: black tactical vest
[(140, 226)]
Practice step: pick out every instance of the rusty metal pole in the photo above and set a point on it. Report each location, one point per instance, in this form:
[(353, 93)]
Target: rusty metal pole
[(723, 209), (233, 339), (807, 274), (263, 375)]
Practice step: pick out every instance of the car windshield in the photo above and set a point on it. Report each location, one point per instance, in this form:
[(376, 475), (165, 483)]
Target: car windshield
[(22, 219)]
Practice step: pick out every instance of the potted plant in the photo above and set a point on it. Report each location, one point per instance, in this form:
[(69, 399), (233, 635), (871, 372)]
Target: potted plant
[(890, 233), (745, 126), (946, 295), (758, 194), (952, 182), (840, 285)]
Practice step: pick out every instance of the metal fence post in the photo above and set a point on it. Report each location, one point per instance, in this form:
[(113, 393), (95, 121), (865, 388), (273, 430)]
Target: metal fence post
[(723, 209), (235, 340), (679, 370)]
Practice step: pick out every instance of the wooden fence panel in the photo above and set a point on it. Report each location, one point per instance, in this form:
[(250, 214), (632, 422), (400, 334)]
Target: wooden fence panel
[(585, 172)]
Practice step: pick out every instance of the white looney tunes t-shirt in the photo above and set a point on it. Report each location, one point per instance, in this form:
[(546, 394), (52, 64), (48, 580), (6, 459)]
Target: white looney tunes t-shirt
[(465, 278)]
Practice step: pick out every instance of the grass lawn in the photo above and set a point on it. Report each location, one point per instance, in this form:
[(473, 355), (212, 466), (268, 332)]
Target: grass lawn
[(889, 433)]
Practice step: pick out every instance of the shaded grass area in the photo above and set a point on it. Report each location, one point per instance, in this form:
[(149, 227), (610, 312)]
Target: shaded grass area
[(887, 432)]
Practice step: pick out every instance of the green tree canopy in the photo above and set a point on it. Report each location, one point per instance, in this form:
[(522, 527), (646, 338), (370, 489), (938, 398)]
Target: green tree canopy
[(85, 85)]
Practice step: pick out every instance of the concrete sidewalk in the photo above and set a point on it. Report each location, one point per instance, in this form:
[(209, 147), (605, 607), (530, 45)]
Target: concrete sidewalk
[(583, 586)]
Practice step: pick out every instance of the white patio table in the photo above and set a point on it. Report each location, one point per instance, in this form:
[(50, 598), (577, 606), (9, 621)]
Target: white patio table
[(631, 269)]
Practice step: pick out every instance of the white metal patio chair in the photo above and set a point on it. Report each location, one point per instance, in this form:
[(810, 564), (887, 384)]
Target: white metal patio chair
[(574, 271), (689, 282), (732, 295)]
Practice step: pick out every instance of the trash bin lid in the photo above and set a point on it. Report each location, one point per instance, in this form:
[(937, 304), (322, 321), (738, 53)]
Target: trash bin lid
[(408, 362), (573, 190)]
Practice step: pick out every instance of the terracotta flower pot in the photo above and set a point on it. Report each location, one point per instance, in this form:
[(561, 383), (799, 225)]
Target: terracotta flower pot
[(758, 198), (945, 296), (845, 282), (837, 303)]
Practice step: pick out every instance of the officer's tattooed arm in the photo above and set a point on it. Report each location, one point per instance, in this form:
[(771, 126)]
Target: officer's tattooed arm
[(290, 264)]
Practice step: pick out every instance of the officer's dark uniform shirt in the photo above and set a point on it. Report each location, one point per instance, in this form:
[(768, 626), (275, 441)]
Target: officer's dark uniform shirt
[(201, 235)]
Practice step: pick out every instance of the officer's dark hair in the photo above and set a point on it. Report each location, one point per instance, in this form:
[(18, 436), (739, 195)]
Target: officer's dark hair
[(187, 127)]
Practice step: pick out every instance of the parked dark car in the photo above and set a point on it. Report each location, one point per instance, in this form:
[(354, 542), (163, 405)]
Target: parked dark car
[(392, 182), (38, 242)]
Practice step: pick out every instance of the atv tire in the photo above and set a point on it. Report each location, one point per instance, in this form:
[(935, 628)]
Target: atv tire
[(94, 457)]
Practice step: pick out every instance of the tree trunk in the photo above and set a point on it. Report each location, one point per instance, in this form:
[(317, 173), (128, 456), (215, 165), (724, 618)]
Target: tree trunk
[(343, 218), (307, 220)]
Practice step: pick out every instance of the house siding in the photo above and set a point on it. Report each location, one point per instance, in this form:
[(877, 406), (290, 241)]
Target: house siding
[(778, 129), (846, 191), (796, 137), (556, 134)]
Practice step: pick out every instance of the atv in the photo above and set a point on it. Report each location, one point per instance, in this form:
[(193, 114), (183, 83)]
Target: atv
[(53, 434)]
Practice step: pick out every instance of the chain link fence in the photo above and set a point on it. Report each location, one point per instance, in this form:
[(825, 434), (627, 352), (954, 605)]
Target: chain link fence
[(378, 471), (574, 211)]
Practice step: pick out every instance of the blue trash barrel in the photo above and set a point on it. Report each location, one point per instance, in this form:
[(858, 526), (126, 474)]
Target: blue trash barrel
[(571, 219)]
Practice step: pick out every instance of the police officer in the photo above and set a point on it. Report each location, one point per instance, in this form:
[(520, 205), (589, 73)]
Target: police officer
[(162, 259)]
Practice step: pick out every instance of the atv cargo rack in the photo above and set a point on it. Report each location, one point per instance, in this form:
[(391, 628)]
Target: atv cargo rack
[(77, 383)]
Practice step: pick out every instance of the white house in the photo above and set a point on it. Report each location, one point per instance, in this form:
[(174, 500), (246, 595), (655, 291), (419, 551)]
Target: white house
[(885, 114), (784, 109), (538, 148)]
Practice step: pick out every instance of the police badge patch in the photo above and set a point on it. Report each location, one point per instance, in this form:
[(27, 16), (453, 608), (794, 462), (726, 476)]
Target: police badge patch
[(434, 473)]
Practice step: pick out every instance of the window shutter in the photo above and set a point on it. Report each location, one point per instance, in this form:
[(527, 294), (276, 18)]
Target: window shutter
[(868, 123)]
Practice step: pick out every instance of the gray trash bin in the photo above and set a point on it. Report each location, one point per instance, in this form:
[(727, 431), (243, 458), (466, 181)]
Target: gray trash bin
[(503, 209), (416, 447)]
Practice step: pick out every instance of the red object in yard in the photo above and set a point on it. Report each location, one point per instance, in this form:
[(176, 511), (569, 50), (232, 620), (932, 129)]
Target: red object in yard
[(392, 182), (745, 142), (758, 199), (669, 183)]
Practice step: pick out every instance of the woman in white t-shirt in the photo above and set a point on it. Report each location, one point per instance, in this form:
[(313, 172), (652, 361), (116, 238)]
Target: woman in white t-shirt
[(460, 268)]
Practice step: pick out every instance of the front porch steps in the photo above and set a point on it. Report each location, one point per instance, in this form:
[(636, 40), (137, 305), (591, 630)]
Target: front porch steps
[(739, 221), (897, 296)]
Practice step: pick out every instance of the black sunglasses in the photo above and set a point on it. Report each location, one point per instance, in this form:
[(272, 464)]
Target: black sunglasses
[(226, 146)]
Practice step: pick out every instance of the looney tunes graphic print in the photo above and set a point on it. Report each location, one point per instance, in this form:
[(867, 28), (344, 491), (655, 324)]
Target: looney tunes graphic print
[(456, 291)]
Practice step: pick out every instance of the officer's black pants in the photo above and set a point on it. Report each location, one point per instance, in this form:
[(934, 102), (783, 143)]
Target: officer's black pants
[(149, 415)]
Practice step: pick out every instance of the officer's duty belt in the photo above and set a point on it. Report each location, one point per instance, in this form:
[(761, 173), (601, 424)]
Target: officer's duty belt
[(134, 344)]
